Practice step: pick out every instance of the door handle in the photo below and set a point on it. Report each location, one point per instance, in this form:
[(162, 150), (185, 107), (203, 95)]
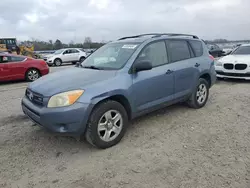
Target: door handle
[(169, 71), (197, 64)]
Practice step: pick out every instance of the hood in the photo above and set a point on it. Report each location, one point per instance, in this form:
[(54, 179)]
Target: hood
[(236, 59), (69, 79), (48, 56)]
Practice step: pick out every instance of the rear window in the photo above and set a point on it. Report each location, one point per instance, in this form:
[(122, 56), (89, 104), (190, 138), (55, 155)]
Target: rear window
[(178, 50), (197, 48)]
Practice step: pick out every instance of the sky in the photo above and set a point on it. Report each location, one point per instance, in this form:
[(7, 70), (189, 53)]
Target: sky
[(105, 20)]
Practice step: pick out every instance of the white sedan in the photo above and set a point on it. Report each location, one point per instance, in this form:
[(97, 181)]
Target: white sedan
[(235, 65)]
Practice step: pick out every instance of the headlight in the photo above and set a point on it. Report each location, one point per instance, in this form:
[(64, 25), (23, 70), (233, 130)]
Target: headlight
[(218, 63), (64, 99)]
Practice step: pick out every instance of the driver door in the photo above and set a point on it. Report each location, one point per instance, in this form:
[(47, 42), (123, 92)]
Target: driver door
[(154, 87), (66, 57)]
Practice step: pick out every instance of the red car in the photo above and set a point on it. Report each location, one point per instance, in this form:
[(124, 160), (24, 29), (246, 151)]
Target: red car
[(14, 67)]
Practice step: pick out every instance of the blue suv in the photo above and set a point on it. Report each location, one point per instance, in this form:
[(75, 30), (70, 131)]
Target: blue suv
[(120, 81)]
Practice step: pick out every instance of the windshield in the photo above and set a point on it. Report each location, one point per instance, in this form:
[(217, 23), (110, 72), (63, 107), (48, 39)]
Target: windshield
[(58, 51), (111, 56), (242, 50), (81, 49)]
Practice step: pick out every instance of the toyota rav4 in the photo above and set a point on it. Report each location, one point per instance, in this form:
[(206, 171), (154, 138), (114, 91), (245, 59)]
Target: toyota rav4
[(120, 81)]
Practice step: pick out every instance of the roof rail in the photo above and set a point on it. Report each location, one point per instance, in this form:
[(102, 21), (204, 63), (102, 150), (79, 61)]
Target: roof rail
[(177, 34), (159, 35), (137, 36)]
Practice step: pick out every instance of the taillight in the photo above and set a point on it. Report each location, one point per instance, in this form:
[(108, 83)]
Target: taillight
[(43, 62), (211, 57)]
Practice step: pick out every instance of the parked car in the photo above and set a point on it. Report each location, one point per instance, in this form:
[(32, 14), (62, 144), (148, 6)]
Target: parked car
[(14, 67), (67, 55), (120, 81), (227, 51), (235, 65), (215, 50)]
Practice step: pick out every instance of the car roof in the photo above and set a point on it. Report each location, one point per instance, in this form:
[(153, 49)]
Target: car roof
[(245, 45), (3, 54), (143, 37), (68, 48)]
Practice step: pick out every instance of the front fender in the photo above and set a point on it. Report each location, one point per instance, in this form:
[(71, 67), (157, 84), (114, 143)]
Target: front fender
[(109, 94)]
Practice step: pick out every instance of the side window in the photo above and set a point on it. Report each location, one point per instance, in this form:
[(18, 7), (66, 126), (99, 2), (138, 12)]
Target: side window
[(156, 53), (66, 52), (4, 59), (197, 47), (178, 50), (74, 51), (16, 59)]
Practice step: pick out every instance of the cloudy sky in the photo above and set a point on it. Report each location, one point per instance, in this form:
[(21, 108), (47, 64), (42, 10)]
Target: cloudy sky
[(110, 19)]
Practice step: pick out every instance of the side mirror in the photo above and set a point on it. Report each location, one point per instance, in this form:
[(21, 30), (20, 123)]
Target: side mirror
[(142, 65)]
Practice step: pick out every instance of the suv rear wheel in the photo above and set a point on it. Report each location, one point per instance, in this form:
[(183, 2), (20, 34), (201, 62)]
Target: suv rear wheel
[(82, 59), (107, 124), (199, 96)]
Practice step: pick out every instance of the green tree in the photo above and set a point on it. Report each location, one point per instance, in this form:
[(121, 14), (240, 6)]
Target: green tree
[(58, 44)]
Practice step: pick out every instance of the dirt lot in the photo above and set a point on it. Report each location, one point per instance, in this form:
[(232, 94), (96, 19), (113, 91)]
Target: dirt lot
[(174, 147)]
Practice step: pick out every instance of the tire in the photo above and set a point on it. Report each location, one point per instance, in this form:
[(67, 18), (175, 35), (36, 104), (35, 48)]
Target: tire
[(95, 134), (195, 100), (82, 59), (219, 78), (32, 75), (57, 62)]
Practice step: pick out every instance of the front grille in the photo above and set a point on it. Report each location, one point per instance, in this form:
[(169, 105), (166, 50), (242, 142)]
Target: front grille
[(234, 74), (34, 97), (228, 66), (240, 66)]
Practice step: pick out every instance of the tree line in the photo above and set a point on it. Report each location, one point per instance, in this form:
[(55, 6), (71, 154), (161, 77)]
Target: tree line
[(57, 44), (223, 41)]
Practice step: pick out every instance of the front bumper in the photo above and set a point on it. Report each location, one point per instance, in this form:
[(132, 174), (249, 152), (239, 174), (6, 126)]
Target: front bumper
[(72, 119), (50, 62), (237, 74)]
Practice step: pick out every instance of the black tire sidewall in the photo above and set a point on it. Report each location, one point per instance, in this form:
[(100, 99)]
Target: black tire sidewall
[(92, 135), (201, 81), (82, 59)]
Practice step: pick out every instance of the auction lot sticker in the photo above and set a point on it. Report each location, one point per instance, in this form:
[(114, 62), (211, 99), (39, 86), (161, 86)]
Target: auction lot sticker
[(129, 46)]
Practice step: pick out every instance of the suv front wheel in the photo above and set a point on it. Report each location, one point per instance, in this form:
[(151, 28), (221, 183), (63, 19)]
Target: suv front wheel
[(57, 62), (199, 96), (107, 124)]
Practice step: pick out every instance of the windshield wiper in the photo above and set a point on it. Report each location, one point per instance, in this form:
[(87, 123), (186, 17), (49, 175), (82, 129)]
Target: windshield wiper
[(91, 67)]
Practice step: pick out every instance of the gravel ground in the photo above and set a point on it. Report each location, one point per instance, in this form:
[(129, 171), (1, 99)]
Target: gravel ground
[(175, 147)]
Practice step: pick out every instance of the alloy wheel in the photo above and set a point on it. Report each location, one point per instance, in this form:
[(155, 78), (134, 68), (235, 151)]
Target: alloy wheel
[(110, 125), (33, 75), (201, 94)]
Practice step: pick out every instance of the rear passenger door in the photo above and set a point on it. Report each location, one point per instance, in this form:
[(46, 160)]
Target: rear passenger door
[(185, 67), (75, 55)]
